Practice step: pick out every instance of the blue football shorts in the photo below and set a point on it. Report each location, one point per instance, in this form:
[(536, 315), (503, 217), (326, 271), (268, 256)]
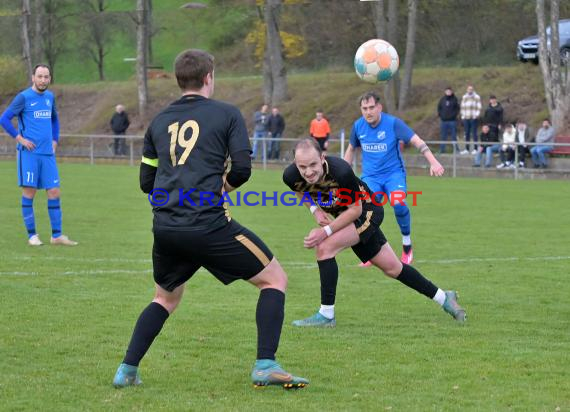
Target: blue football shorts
[(37, 170), (385, 185)]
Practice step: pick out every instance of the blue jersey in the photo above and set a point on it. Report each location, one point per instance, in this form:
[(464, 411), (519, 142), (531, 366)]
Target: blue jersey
[(37, 119), (380, 145)]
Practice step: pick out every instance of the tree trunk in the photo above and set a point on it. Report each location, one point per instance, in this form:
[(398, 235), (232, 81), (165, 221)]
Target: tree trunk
[(142, 60), (36, 44), (274, 50), (381, 24), (26, 53), (267, 78), (100, 61), (149, 30), (556, 89), (379, 18), (410, 51), (393, 85)]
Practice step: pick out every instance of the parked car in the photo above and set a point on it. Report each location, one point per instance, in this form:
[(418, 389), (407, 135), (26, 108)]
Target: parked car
[(527, 48)]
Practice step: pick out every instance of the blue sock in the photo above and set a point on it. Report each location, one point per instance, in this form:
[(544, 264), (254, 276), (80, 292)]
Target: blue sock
[(28, 215), (403, 218), (54, 211)]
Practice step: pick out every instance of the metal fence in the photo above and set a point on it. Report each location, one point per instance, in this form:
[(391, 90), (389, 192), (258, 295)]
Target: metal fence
[(99, 147)]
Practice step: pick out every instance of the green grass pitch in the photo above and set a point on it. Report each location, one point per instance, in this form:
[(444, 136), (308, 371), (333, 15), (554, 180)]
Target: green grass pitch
[(67, 313)]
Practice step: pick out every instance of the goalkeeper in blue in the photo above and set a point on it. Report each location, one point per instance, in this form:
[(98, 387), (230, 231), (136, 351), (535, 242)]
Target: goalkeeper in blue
[(37, 137)]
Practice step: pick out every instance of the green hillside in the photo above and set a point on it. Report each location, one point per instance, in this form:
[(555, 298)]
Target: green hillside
[(87, 108)]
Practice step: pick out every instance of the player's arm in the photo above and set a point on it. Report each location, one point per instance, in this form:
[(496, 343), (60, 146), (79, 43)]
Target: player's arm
[(149, 164), (13, 110), (436, 169), (54, 128), (320, 215), (6, 122), (316, 236), (350, 193), (353, 144), (240, 171), (239, 150), (349, 154), (147, 174)]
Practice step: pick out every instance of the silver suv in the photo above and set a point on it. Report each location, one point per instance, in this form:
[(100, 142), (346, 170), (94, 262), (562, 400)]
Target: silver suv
[(527, 49)]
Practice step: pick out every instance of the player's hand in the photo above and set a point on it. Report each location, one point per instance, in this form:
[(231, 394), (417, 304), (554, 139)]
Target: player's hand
[(322, 218), (53, 145), (436, 169), (315, 237), (28, 144)]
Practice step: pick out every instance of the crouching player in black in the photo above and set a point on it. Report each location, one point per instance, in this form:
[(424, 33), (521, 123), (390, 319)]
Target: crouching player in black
[(331, 183), (185, 150)]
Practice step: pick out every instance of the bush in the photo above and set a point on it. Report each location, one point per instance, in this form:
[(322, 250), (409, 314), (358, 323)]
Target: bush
[(12, 75)]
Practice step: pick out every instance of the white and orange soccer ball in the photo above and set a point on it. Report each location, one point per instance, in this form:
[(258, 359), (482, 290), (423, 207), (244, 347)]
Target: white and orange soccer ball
[(376, 61)]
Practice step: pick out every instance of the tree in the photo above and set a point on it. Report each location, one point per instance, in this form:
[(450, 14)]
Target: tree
[(96, 35), (274, 71), (556, 86), (395, 92), (386, 28), (37, 44), (54, 30), (410, 52), (142, 57), (26, 52)]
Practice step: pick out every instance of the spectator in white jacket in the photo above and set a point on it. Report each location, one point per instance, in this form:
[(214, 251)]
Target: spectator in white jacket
[(507, 152)]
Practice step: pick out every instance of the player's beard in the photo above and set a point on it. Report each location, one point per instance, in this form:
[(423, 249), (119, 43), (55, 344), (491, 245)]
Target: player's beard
[(41, 88)]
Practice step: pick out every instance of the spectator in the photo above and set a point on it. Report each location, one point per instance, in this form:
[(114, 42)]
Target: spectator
[(523, 136), (119, 124), (260, 128), (494, 115), (320, 130), (544, 138), (492, 146), (507, 151), (275, 127), (447, 110), (470, 111)]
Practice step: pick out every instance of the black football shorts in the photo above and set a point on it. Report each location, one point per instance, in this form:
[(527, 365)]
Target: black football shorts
[(230, 253), (371, 237)]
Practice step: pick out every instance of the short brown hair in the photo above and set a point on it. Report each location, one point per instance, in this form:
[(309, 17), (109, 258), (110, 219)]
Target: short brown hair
[(37, 66), (367, 96), (191, 66)]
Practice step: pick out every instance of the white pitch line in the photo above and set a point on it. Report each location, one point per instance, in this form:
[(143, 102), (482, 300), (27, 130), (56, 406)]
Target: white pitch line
[(293, 264), (297, 263)]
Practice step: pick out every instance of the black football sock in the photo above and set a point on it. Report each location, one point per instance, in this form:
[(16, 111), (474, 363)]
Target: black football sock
[(328, 270), (269, 318), (148, 326), (414, 279), (407, 248)]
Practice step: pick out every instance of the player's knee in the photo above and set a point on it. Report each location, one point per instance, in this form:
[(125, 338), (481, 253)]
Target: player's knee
[(324, 251), (272, 276), (168, 303), (53, 193), (393, 270), (401, 210)]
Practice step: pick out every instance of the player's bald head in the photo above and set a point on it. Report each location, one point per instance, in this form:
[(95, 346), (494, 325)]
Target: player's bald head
[(306, 144)]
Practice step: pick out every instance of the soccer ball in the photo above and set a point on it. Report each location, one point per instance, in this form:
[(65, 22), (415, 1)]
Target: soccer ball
[(376, 61)]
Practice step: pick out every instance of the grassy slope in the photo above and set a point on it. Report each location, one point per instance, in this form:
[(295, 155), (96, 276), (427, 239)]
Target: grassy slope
[(176, 29), (87, 108), (68, 314)]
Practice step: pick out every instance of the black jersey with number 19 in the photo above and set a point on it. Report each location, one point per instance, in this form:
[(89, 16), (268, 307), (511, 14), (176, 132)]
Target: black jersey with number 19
[(192, 139)]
